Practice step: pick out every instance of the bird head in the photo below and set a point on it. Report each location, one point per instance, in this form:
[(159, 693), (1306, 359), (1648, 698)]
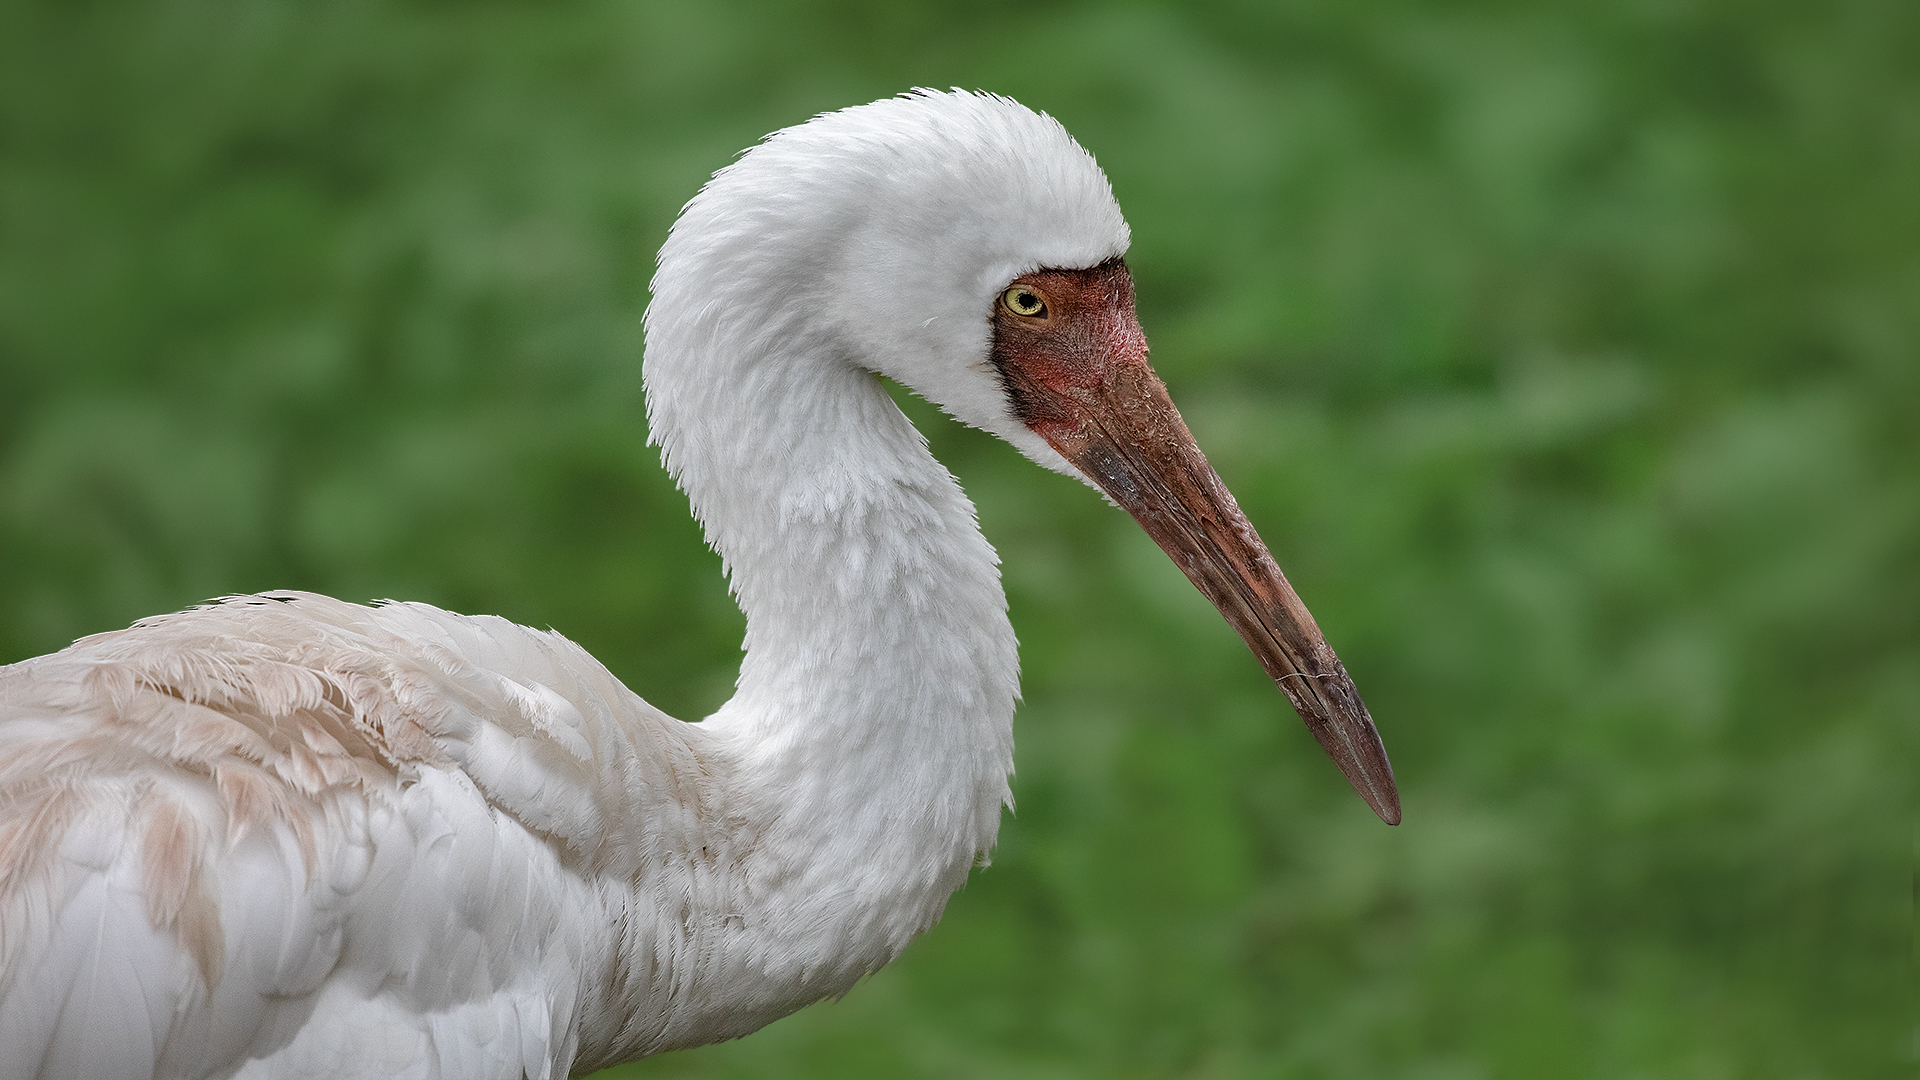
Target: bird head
[(968, 248)]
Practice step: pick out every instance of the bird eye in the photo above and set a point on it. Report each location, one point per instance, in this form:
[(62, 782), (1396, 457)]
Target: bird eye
[(1024, 301)]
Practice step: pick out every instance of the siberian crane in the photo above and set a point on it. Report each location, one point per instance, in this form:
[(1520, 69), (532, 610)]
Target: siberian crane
[(282, 835)]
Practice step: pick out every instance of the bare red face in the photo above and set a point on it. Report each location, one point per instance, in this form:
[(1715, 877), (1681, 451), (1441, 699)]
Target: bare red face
[(1074, 360)]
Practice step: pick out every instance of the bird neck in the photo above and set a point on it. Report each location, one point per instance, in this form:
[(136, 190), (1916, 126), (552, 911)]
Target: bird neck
[(871, 731)]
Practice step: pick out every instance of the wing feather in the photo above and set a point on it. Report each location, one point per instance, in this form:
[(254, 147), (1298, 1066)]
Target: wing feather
[(292, 836)]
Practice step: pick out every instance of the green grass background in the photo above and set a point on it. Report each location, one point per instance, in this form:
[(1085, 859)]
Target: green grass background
[(1565, 355)]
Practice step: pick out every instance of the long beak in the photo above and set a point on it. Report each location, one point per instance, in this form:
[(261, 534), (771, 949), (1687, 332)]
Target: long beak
[(1126, 436)]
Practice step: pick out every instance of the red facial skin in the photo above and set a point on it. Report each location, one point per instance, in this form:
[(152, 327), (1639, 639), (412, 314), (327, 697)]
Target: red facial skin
[(1078, 376)]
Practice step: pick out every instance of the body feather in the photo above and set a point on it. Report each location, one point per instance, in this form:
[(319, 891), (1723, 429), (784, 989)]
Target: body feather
[(300, 815)]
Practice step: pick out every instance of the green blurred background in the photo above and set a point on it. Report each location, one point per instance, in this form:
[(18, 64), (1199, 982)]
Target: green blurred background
[(1565, 356)]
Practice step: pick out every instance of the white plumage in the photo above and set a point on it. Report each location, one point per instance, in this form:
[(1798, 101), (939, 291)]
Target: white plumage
[(287, 836)]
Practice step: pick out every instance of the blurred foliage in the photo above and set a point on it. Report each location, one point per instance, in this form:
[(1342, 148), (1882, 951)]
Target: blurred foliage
[(1565, 354)]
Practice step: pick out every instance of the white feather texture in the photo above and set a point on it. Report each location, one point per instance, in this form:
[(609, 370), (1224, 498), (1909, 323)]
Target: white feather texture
[(287, 836)]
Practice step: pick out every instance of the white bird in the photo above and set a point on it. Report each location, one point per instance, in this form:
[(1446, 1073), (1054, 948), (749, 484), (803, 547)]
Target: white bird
[(287, 836)]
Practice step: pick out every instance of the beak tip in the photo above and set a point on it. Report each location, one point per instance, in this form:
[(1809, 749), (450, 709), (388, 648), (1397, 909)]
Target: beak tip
[(1382, 798), (1354, 744)]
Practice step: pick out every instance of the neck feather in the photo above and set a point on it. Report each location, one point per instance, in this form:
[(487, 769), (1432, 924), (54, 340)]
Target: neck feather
[(872, 726)]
